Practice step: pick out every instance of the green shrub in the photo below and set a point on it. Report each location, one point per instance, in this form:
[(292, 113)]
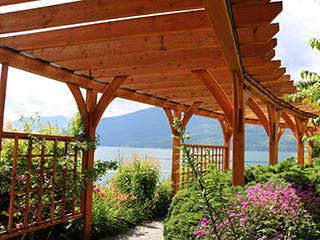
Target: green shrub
[(139, 178), (184, 214), (162, 198), (109, 215), (135, 194)]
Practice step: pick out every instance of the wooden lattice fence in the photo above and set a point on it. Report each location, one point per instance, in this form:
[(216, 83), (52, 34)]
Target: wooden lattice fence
[(207, 156), (43, 179)]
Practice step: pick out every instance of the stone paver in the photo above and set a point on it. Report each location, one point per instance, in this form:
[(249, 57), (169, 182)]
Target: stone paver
[(151, 230)]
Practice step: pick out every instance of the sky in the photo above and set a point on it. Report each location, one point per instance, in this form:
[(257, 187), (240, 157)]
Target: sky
[(28, 94)]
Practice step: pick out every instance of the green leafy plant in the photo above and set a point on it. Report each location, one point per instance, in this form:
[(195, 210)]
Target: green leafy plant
[(184, 214)]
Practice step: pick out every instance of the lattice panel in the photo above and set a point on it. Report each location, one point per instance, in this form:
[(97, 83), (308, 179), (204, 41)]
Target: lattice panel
[(206, 157), (45, 184)]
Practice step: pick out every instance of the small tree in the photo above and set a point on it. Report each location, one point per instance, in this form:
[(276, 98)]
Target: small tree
[(309, 90)]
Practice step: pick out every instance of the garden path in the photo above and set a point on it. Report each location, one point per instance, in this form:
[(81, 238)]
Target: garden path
[(150, 230)]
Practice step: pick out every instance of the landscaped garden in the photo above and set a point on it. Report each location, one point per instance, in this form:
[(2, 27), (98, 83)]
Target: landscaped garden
[(277, 202)]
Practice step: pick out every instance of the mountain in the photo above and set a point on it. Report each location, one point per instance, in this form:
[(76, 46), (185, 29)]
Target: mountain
[(150, 128)]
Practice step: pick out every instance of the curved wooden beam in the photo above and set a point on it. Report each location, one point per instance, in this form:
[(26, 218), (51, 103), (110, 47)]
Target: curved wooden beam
[(75, 90), (259, 113), (281, 131), (170, 118), (226, 129), (106, 98), (217, 91), (290, 123), (191, 110)]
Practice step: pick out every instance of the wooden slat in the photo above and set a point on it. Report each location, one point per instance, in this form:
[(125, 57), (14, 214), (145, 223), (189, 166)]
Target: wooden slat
[(272, 77), (186, 90), (242, 2), (269, 67), (144, 58), (257, 50), (148, 26), (155, 25), (181, 65), (10, 2), (255, 61), (87, 11), (257, 34), (256, 14), (162, 42)]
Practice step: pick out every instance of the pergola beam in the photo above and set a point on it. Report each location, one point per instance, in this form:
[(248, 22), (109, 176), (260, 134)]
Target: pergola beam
[(190, 21), (161, 42), (142, 59), (217, 91), (10, 2), (87, 11)]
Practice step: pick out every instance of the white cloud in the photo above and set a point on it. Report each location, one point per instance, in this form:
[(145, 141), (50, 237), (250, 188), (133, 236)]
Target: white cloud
[(299, 22), (28, 94)]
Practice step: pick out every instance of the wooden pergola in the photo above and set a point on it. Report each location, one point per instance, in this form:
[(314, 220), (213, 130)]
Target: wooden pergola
[(213, 58)]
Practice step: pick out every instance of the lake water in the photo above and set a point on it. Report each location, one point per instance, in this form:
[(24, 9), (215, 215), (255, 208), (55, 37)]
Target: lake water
[(163, 156)]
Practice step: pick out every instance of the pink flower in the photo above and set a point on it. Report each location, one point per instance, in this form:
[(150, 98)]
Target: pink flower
[(22, 177), (101, 194), (96, 189), (19, 225)]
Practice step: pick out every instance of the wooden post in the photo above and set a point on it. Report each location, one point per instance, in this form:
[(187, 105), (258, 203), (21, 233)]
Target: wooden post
[(227, 134), (91, 100), (274, 118), (175, 172), (310, 146), (300, 133), (3, 89), (238, 130), (176, 143)]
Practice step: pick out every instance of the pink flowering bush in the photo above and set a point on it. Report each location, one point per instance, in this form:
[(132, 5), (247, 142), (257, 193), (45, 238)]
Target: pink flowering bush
[(263, 211)]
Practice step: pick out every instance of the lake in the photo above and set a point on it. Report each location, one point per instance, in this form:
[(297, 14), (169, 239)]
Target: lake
[(163, 156)]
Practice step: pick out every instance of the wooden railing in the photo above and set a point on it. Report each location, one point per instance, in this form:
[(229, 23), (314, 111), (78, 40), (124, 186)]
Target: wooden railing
[(207, 156), (44, 182)]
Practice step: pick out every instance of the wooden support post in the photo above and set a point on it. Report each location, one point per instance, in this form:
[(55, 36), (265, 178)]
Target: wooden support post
[(227, 133), (3, 89), (300, 132), (91, 100), (92, 111), (310, 146), (274, 118), (175, 172), (175, 165), (238, 130)]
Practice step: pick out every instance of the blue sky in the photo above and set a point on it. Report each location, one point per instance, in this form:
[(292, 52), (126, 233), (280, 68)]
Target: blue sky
[(299, 21)]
